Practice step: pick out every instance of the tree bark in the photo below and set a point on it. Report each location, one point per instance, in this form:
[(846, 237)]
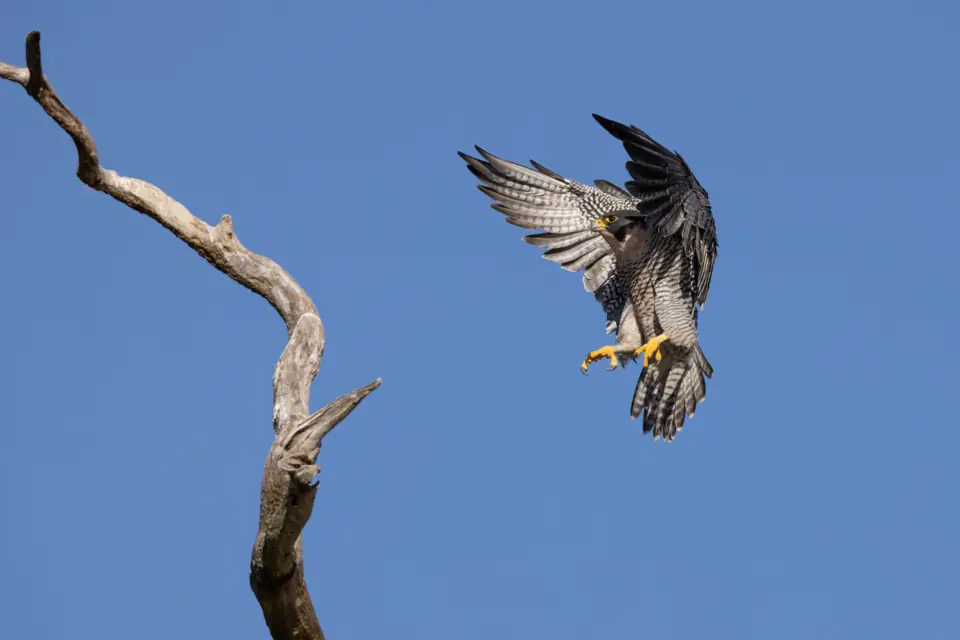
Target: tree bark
[(288, 490)]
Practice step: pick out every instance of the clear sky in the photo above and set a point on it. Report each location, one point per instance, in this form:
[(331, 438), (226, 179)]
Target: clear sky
[(487, 489)]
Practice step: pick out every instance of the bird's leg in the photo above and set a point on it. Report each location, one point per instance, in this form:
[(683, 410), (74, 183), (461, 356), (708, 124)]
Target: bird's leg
[(600, 354), (651, 348)]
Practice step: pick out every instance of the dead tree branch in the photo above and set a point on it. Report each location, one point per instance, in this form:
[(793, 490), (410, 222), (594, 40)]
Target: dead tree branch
[(288, 491)]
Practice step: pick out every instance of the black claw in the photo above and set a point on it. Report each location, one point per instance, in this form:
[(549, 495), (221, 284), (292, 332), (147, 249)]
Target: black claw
[(585, 369)]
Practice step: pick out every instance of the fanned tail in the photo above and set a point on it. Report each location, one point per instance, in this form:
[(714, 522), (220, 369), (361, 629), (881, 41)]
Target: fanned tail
[(668, 391)]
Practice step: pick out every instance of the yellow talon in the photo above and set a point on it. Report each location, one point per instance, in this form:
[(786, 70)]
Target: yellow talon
[(600, 354), (652, 348)]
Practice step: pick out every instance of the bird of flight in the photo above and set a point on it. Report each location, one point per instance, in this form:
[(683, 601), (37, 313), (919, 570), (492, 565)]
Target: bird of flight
[(647, 253)]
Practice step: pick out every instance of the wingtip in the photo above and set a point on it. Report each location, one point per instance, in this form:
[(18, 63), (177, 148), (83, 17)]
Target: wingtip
[(542, 169), (612, 127), (605, 122), (486, 154)]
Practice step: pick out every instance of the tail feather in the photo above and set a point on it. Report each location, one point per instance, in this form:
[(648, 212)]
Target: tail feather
[(668, 391), (664, 414), (702, 362)]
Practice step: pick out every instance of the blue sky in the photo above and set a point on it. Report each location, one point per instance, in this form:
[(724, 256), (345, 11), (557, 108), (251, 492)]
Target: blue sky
[(487, 489)]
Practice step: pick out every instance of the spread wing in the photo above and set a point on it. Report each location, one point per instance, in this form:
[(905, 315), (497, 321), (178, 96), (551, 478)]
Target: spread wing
[(672, 198), (565, 210)]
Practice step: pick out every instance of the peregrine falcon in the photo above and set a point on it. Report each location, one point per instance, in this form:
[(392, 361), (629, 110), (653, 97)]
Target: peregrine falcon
[(647, 254)]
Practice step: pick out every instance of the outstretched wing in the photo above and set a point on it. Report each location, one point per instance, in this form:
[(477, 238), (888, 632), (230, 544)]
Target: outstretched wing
[(565, 210), (672, 197)]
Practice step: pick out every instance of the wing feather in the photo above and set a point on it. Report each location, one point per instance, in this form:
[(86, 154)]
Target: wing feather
[(672, 198), (565, 211)]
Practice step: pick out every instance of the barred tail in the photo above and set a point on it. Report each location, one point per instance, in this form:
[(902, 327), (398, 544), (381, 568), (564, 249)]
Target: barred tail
[(668, 391)]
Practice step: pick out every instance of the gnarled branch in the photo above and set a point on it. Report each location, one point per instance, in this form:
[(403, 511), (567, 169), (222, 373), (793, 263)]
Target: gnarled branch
[(287, 494)]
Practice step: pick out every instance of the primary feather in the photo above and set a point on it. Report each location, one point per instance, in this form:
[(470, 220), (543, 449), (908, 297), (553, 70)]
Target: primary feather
[(565, 210)]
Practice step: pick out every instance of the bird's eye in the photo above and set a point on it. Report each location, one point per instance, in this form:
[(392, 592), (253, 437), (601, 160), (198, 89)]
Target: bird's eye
[(610, 219)]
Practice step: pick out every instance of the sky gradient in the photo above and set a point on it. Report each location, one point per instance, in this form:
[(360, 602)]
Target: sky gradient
[(487, 489)]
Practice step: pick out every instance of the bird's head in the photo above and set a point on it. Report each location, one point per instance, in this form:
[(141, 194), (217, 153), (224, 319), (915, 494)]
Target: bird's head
[(613, 224), (620, 230)]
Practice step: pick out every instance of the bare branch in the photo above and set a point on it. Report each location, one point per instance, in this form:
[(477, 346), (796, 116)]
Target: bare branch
[(288, 493)]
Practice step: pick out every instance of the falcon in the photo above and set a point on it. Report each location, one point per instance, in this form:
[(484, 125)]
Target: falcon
[(647, 254)]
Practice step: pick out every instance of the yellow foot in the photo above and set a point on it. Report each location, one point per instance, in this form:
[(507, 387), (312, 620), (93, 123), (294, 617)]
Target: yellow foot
[(600, 354), (652, 348)]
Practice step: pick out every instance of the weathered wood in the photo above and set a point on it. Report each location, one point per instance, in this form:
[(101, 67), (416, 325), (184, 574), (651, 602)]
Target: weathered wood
[(288, 491)]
